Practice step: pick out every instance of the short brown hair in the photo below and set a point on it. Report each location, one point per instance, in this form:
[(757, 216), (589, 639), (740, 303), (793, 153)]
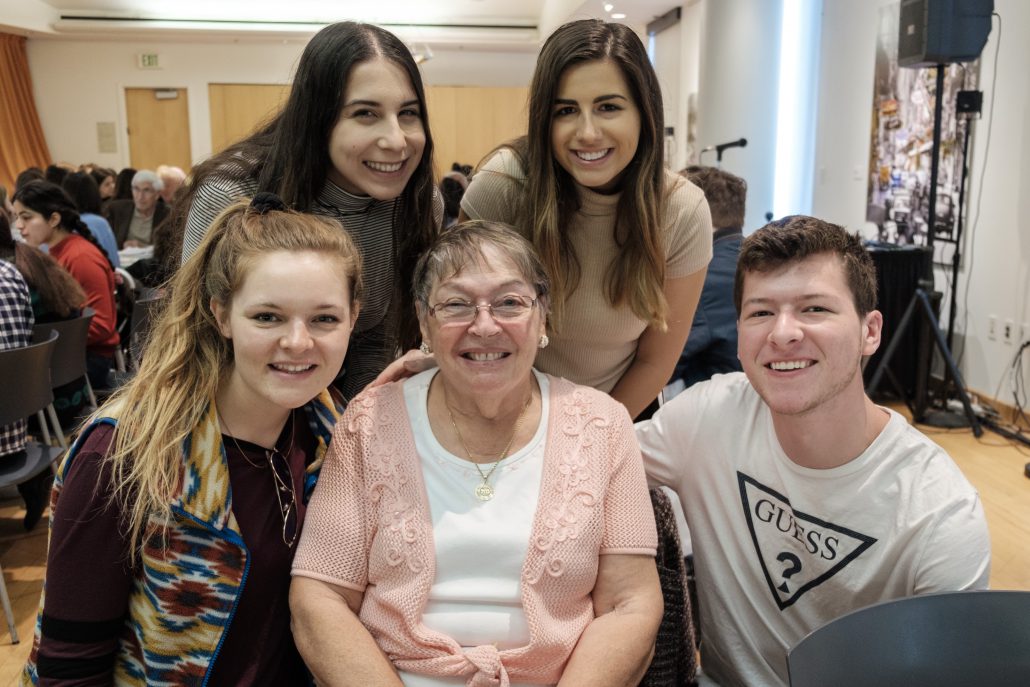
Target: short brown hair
[(463, 244), (726, 194), (794, 238)]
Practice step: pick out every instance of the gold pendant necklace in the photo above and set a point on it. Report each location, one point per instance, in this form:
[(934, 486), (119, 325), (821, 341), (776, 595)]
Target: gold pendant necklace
[(483, 491)]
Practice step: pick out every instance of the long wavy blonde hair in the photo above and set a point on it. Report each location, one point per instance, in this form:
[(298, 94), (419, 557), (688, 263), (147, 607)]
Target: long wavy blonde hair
[(187, 356)]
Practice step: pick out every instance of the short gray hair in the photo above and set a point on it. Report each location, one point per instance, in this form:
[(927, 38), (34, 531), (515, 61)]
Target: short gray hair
[(147, 175), (463, 244)]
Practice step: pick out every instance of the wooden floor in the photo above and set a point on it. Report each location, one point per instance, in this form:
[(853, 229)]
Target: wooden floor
[(994, 466)]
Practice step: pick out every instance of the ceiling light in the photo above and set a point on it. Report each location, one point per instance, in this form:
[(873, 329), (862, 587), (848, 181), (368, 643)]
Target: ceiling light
[(619, 15), (608, 7)]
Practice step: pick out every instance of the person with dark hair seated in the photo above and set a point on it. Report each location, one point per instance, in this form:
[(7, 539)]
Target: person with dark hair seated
[(711, 347), (452, 187), (82, 188), (46, 215)]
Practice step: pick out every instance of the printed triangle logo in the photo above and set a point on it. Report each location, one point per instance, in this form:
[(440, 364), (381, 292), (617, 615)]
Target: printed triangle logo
[(797, 551)]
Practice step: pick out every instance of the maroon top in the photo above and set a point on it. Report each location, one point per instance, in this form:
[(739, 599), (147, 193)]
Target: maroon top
[(88, 580)]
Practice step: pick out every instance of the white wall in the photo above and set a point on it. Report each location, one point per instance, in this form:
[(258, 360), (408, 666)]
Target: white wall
[(999, 281), (79, 83), (737, 93)]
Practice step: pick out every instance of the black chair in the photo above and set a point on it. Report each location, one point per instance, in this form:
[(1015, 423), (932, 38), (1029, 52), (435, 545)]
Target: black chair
[(27, 390), (953, 639), (674, 662), (69, 360)]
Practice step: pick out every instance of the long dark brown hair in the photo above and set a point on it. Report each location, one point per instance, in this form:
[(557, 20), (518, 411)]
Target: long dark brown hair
[(289, 156), (637, 276)]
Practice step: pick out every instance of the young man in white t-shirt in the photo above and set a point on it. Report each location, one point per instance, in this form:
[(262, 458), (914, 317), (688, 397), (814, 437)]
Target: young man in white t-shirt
[(805, 500)]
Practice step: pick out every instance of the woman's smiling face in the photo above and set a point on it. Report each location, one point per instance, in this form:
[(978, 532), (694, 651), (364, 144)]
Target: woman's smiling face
[(378, 140), (595, 125)]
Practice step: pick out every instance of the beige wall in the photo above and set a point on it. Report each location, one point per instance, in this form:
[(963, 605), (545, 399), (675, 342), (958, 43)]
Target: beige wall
[(81, 83)]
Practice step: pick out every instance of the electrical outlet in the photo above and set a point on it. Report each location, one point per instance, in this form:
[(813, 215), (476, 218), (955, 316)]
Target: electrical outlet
[(992, 327), (1008, 331)]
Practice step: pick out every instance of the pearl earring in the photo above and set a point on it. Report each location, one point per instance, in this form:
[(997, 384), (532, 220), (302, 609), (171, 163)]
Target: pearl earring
[(425, 348), (544, 341)]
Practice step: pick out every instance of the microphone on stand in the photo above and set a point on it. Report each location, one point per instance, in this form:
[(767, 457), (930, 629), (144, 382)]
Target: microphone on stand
[(720, 147), (739, 143)]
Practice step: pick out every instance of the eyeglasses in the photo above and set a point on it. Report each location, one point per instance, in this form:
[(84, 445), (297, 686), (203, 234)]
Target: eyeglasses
[(506, 309)]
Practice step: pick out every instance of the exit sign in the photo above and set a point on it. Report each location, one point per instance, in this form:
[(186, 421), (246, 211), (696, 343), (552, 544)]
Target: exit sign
[(148, 60)]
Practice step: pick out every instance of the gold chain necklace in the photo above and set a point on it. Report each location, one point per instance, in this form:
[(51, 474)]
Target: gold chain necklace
[(282, 489), (485, 492)]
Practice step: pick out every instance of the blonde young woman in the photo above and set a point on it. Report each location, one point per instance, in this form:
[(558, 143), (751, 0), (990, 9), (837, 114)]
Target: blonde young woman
[(177, 511)]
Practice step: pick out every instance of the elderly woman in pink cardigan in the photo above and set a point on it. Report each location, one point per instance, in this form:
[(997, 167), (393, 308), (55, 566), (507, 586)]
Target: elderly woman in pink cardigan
[(479, 523)]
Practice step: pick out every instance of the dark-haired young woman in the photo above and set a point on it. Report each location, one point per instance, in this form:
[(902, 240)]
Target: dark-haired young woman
[(44, 214), (352, 143)]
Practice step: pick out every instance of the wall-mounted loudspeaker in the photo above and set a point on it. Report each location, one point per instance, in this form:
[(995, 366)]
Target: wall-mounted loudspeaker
[(942, 31)]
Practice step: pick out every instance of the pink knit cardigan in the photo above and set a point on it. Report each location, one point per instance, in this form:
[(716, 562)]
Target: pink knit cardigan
[(368, 528)]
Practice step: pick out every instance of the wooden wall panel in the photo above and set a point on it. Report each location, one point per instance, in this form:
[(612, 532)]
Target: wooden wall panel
[(468, 122), (238, 109), (159, 129)]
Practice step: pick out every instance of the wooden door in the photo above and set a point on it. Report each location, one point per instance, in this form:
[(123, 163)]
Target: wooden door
[(470, 121), (159, 127), (238, 109)]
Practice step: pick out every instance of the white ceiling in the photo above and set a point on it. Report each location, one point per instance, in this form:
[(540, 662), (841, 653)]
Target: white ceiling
[(485, 23)]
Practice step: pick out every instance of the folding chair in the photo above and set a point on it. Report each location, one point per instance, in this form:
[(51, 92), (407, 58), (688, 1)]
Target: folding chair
[(26, 373), (69, 360)]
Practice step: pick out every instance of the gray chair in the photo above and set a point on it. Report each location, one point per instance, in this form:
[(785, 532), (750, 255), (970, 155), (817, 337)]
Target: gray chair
[(941, 640), (69, 360), (27, 390)]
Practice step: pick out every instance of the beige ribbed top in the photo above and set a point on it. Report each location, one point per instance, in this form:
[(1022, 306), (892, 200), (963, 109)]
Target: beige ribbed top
[(595, 343)]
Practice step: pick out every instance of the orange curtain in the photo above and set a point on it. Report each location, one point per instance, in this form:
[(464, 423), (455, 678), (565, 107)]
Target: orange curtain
[(21, 136)]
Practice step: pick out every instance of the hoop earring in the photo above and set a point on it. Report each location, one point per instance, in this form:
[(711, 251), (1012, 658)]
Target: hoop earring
[(544, 341), (425, 349)]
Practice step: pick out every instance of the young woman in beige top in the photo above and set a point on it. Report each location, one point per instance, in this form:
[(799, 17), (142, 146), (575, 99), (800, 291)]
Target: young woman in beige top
[(625, 242)]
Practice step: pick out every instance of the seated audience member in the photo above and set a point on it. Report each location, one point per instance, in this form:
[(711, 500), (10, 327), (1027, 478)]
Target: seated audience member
[(27, 175), (16, 332), (452, 188), (711, 347), (172, 179), (176, 513), (46, 215), (84, 192), (6, 209), (123, 184), (133, 221), (55, 296), (805, 500), (55, 174), (528, 557), (105, 178)]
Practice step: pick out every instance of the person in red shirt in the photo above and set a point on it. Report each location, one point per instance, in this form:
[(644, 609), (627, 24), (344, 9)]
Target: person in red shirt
[(44, 214)]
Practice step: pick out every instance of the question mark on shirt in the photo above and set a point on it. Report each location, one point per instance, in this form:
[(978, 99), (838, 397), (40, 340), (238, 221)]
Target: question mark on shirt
[(792, 569)]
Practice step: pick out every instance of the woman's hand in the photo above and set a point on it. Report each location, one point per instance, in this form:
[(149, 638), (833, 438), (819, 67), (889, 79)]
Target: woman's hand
[(409, 364)]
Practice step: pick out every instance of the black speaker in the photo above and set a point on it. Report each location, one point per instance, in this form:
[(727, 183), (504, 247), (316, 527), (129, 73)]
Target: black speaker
[(942, 31)]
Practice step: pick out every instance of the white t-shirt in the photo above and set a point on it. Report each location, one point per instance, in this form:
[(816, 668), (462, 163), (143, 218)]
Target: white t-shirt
[(480, 546), (780, 550)]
